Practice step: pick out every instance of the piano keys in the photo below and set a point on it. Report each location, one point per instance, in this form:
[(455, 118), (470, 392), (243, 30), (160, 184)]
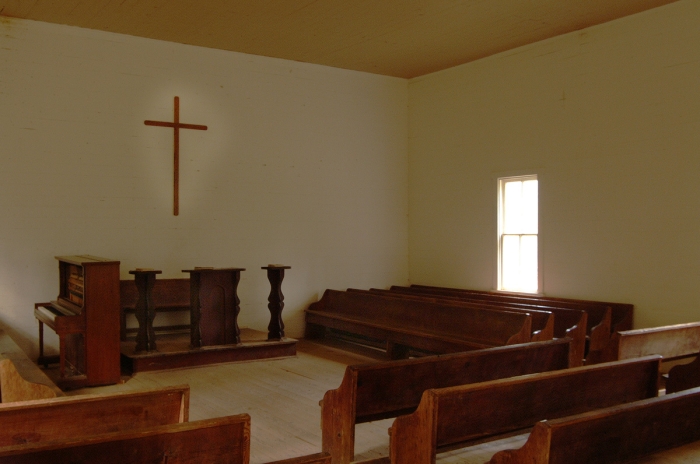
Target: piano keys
[(85, 316)]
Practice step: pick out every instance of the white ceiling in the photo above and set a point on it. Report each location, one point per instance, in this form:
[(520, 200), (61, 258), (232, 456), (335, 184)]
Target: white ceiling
[(403, 38)]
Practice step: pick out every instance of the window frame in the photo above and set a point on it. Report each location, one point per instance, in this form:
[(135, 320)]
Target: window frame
[(501, 182)]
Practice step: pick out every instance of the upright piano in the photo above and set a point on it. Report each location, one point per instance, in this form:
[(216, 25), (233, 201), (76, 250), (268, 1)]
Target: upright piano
[(85, 316)]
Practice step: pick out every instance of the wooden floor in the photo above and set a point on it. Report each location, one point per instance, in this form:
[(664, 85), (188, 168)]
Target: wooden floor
[(282, 399)]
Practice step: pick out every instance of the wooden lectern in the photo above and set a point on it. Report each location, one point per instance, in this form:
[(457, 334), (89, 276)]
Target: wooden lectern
[(214, 306)]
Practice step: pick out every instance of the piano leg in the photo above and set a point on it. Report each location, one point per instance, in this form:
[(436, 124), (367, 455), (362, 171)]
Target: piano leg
[(62, 345), (42, 359)]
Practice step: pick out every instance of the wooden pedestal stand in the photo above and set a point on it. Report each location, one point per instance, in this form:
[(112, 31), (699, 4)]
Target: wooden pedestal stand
[(275, 274), (145, 309)]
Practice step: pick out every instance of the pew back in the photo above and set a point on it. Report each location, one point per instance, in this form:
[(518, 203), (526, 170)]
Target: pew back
[(422, 325), (614, 434), (599, 321), (599, 324), (622, 313), (455, 415), (82, 415), (542, 320), (224, 440), (671, 342), (571, 323)]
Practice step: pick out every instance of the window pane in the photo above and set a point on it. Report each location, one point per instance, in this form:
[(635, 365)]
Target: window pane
[(519, 263), (528, 263), (510, 262), (529, 208), (520, 207), (512, 206)]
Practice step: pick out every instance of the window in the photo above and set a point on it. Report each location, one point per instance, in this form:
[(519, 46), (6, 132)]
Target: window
[(517, 234)]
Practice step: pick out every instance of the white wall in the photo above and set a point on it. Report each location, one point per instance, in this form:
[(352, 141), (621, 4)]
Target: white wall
[(609, 117), (302, 165)]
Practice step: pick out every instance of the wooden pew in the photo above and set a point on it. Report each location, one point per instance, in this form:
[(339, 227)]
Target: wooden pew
[(388, 389), (14, 388), (672, 342), (69, 417), (223, 440), (542, 321), (600, 324), (622, 313), (614, 434), (448, 417), (425, 326), (25, 368), (169, 296), (569, 323)]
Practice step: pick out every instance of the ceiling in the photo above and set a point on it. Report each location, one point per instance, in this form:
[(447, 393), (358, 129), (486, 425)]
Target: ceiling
[(402, 38)]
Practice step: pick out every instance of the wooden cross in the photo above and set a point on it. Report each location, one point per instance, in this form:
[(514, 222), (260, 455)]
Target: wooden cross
[(176, 125)]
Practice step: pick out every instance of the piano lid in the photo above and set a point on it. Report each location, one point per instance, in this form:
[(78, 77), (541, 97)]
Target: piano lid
[(82, 260)]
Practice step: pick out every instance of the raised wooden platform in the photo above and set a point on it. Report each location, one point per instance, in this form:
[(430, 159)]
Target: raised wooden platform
[(174, 352)]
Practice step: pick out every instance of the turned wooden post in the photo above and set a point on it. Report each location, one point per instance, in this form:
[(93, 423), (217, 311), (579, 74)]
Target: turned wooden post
[(275, 274), (214, 306), (145, 309)]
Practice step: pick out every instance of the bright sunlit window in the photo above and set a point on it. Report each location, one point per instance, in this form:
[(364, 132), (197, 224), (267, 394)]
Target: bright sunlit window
[(517, 234)]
